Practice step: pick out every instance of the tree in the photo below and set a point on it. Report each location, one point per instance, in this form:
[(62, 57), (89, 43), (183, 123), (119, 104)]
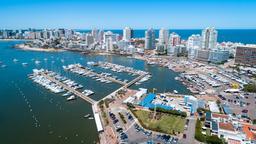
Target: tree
[(250, 88), (213, 140), (254, 121), (198, 132)]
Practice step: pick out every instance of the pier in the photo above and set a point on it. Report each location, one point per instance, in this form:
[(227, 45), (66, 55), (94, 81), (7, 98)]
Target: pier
[(125, 86), (105, 77), (75, 92)]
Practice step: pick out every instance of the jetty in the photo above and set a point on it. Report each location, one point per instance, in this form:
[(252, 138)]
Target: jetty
[(79, 69), (75, 92), (105, 77)]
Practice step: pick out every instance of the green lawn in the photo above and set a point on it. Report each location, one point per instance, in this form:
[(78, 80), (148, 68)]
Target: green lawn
[(163, 123)]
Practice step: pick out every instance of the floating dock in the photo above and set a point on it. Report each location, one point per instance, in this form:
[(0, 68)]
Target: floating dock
[(75, 92)]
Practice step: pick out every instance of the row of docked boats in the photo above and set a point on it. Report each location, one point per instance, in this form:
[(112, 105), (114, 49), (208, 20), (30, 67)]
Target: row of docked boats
[(120, 68), (41, 79), (84, 71), (45, 82)]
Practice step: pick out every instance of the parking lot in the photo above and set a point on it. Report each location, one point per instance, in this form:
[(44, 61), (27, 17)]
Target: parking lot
[(131, 132), (238, 102)]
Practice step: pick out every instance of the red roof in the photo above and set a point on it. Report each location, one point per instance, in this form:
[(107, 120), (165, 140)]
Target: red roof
[(215, 115), (226, 126), (249, 134), (232, 141)]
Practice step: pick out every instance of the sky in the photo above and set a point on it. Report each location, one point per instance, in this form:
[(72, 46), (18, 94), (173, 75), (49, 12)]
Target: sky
[(138, 14)]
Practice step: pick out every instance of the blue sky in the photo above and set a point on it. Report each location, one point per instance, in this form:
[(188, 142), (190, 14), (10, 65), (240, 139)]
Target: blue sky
[(139, 14)]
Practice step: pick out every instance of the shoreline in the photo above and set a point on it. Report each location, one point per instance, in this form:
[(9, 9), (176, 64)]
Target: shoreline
[(24, 47), (15, 40)]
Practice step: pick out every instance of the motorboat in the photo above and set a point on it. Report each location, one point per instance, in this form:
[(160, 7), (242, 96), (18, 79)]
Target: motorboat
[(24, 64), (71, 98)]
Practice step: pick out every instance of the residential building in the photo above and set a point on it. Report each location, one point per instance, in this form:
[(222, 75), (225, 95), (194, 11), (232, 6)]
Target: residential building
[(174, 39), (127, 33), (193, 44), (150, 39), (160, 49), (218, 56), (108, 35), (95, 34), (109, 44), (163, 36), (194, 41), (89, 39), (209, 38), (246, 55), (202, 55)]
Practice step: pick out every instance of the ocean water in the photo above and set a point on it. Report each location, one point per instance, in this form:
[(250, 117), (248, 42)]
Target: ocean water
[(247, 36), (31, 114)]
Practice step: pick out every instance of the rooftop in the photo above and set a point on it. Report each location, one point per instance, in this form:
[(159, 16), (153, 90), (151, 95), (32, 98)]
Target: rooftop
[(226, 126), (223, 116), (248, 131), (208, 116)]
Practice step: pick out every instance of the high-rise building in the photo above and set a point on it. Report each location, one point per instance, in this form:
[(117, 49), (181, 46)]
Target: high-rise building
[(163, 36), (150, 39), (109, 44), (127, 33), (89, 39), (194, 41), (174, 39), (39, 35), (101, 36), (95, 33), (246, 55), (107, 35), (209, 38), (218, 56), (193, 44)]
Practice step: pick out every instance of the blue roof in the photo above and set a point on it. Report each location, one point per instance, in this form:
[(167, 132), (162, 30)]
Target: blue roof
[(208, 116), (227, 109), (148, 99), (214, 126), (146, 102)]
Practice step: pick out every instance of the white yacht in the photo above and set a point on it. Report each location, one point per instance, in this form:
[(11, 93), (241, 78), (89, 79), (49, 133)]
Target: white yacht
[(37, 62), (24, 64), (71, 98), (88, 92), (15, 60)]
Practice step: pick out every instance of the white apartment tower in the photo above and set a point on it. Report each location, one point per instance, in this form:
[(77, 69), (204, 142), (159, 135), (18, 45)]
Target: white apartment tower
[(163, 36), (95, 34), (150, 39), (209, 38), (194, 41), (127, 33)]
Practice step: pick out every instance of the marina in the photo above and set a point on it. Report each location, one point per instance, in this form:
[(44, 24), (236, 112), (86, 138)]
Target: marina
[(102, 77), (107, 77), (58, 84), (51, 110)]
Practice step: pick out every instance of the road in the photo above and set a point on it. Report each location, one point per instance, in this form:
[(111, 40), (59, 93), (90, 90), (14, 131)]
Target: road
[(190, 131)]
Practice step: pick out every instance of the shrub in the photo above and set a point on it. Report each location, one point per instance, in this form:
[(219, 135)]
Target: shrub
[(122, 117), (198, 132), (173, 112), (213, 140), (250, 88)]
